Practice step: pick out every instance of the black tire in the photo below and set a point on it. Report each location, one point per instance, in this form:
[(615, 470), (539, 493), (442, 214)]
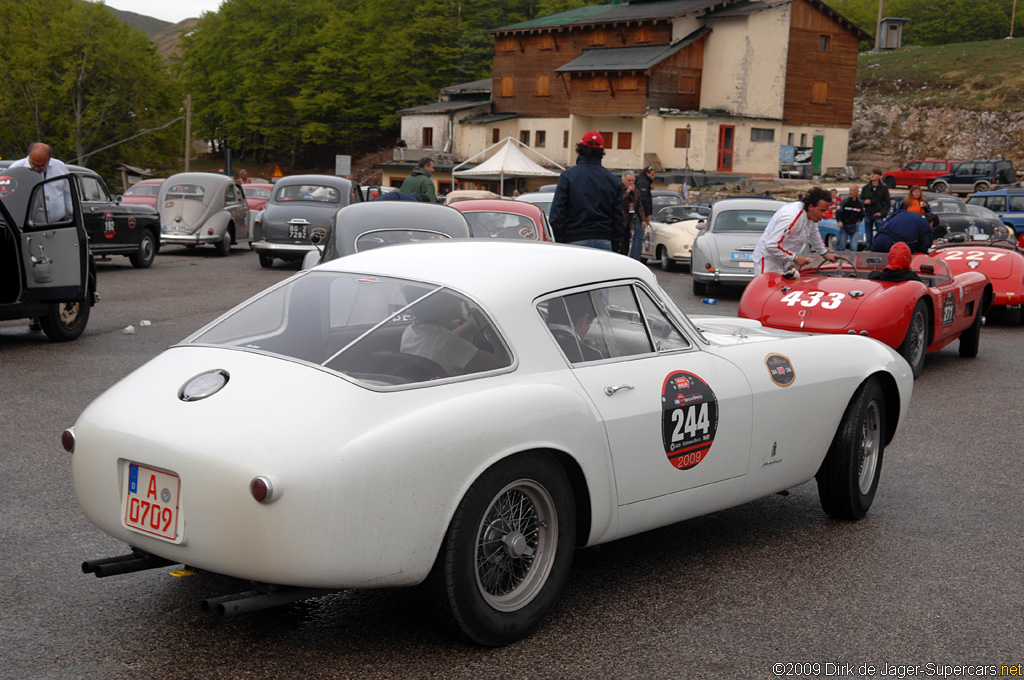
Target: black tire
[(507, 551), (981, 186), (667, 263), (916, 341), (266, 261), (144, 256), (889, 182), (698, 287), (65, 321), (224, 246), (971, 338), (939, 187), (848, 477)]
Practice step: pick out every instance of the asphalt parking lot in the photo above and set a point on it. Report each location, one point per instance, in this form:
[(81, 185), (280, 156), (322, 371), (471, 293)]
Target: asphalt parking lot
[(931, 576)]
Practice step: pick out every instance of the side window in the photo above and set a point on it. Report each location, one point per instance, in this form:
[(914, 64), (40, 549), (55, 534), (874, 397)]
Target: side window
[(92, 190), (1016, 204), (51, 203), (666, 336), (608, 323), (229, 195), (915, 166)]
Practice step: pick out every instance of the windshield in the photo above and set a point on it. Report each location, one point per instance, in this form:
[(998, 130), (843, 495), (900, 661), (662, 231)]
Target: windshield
[(742, 220), (932, 271), (389, 237), (491, 224), (316, 193), (254, 192), (941, 206), (376, 330)]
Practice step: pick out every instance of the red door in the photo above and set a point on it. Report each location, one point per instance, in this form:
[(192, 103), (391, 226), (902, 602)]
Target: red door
[(726, 135)]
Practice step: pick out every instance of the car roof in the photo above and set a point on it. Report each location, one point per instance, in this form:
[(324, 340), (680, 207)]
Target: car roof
[(327, 180), (498, 205), (1015, 191), (492, 270), (752, 203), (201, 178)]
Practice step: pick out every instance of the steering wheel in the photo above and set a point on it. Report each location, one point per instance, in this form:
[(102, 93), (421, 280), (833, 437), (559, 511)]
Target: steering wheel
[(838, 270)]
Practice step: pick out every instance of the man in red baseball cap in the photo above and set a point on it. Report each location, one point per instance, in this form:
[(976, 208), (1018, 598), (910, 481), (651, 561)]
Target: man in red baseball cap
[(587, 206)]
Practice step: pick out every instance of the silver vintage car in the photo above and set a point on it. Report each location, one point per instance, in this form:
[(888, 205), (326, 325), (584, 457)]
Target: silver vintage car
[(301, 208), (198, 208), (723, 251)]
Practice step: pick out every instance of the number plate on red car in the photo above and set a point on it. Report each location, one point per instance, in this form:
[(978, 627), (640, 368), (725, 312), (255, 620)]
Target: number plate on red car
[(151, 501)]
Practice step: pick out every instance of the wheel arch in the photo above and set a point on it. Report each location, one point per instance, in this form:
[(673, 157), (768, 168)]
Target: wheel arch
[(892, 402), (929, 325)]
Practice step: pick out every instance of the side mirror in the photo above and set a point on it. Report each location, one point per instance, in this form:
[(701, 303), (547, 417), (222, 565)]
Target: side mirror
[(315, 238), (702, 225), (117, 199)]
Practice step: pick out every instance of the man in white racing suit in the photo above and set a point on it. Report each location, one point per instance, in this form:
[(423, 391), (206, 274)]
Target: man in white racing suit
[(789, 229)]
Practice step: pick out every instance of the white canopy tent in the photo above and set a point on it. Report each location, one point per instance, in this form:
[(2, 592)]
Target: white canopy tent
[(508, 160)]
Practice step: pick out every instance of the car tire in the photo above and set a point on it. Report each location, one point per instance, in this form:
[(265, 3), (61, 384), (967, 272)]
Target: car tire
[(971, 338), (266, 261), (698, 287), (916, 341), (939, 187), (507, 551), (65, 321), (144, 256), (981, 186), (889, 182), (224, 247), (831, 241), (848, 477), (667, 263)]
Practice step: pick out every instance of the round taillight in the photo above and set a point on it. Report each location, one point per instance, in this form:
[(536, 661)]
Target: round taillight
[(707, 265), (261, 489), (67, 440), (210, 231)]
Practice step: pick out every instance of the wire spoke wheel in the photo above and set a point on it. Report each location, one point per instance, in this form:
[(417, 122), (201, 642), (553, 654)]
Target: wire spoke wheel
[(515, 545), (870, 445)]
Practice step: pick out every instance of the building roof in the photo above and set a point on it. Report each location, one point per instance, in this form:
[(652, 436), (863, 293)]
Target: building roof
[(465, 88), (617, 13), (628, 58), (746, 7), (485, 118), (444, 107)]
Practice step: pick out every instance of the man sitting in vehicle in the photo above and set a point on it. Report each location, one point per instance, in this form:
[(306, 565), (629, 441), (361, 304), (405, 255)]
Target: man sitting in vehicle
[(899, 269), (429, 337), (569, 321)]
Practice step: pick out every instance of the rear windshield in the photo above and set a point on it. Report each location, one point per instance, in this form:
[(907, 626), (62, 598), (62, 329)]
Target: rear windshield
[(253, 192), (316, 193), (389, 237), (742, 220), (378, 331), (144, 190), (192, 191)]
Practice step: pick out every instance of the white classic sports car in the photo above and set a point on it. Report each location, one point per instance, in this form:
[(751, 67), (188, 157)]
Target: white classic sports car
[(431, 411)]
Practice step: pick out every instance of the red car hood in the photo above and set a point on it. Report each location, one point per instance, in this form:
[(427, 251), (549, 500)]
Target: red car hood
[(998, 263), (824, 303)]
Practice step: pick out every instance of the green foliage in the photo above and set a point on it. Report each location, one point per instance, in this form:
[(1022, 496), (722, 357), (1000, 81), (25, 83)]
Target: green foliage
[(76, 77)]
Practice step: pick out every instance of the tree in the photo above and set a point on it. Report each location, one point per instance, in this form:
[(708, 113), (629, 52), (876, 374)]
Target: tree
[(76, 77)]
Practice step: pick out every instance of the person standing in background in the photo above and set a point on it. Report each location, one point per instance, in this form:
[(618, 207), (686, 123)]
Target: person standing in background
[(875, 196)]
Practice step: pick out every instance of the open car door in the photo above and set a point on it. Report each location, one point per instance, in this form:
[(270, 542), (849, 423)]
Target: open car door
[(47, 220)]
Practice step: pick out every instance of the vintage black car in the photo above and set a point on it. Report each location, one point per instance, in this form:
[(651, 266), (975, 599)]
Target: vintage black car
[(300, 207), (115, 228), (46, 269), (375, 224)]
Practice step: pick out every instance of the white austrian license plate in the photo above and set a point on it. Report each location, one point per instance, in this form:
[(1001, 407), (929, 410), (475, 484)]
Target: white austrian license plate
[(151, 501), (745, 265), (738, 256)]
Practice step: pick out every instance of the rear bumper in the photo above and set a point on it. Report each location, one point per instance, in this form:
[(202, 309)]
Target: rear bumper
[(289, 251)]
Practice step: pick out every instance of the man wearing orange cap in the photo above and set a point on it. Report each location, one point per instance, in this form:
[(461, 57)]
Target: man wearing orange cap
[(587, 206), (899, 266)]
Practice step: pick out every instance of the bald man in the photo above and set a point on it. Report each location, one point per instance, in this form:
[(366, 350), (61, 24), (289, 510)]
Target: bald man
[(40, 158)]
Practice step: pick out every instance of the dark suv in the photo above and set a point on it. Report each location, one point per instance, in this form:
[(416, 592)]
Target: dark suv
[(976, 175)]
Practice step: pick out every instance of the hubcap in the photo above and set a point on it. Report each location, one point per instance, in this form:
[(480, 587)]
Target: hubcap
[(68, 313), (870, 445), (516, 545)]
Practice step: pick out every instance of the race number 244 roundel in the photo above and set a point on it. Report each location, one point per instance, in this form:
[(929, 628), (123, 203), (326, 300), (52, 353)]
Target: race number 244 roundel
[(689, 419)]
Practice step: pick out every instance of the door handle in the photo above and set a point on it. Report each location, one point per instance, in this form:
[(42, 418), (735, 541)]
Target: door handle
[(610, 390)]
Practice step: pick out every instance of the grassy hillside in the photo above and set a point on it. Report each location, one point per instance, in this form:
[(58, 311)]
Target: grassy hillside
[(975, 75)]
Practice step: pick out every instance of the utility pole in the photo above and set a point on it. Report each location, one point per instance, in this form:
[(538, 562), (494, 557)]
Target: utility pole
[(188, 128), (1013, 16), (878, 29)]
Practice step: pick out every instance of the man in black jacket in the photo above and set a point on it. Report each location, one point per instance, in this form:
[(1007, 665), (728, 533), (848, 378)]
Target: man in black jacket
[(875, 196), (644, 181), (849, 214), (587, 206)]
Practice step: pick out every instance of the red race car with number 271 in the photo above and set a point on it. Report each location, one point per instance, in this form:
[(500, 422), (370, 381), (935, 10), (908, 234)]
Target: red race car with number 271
[(913, 317), (1000, 259)]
